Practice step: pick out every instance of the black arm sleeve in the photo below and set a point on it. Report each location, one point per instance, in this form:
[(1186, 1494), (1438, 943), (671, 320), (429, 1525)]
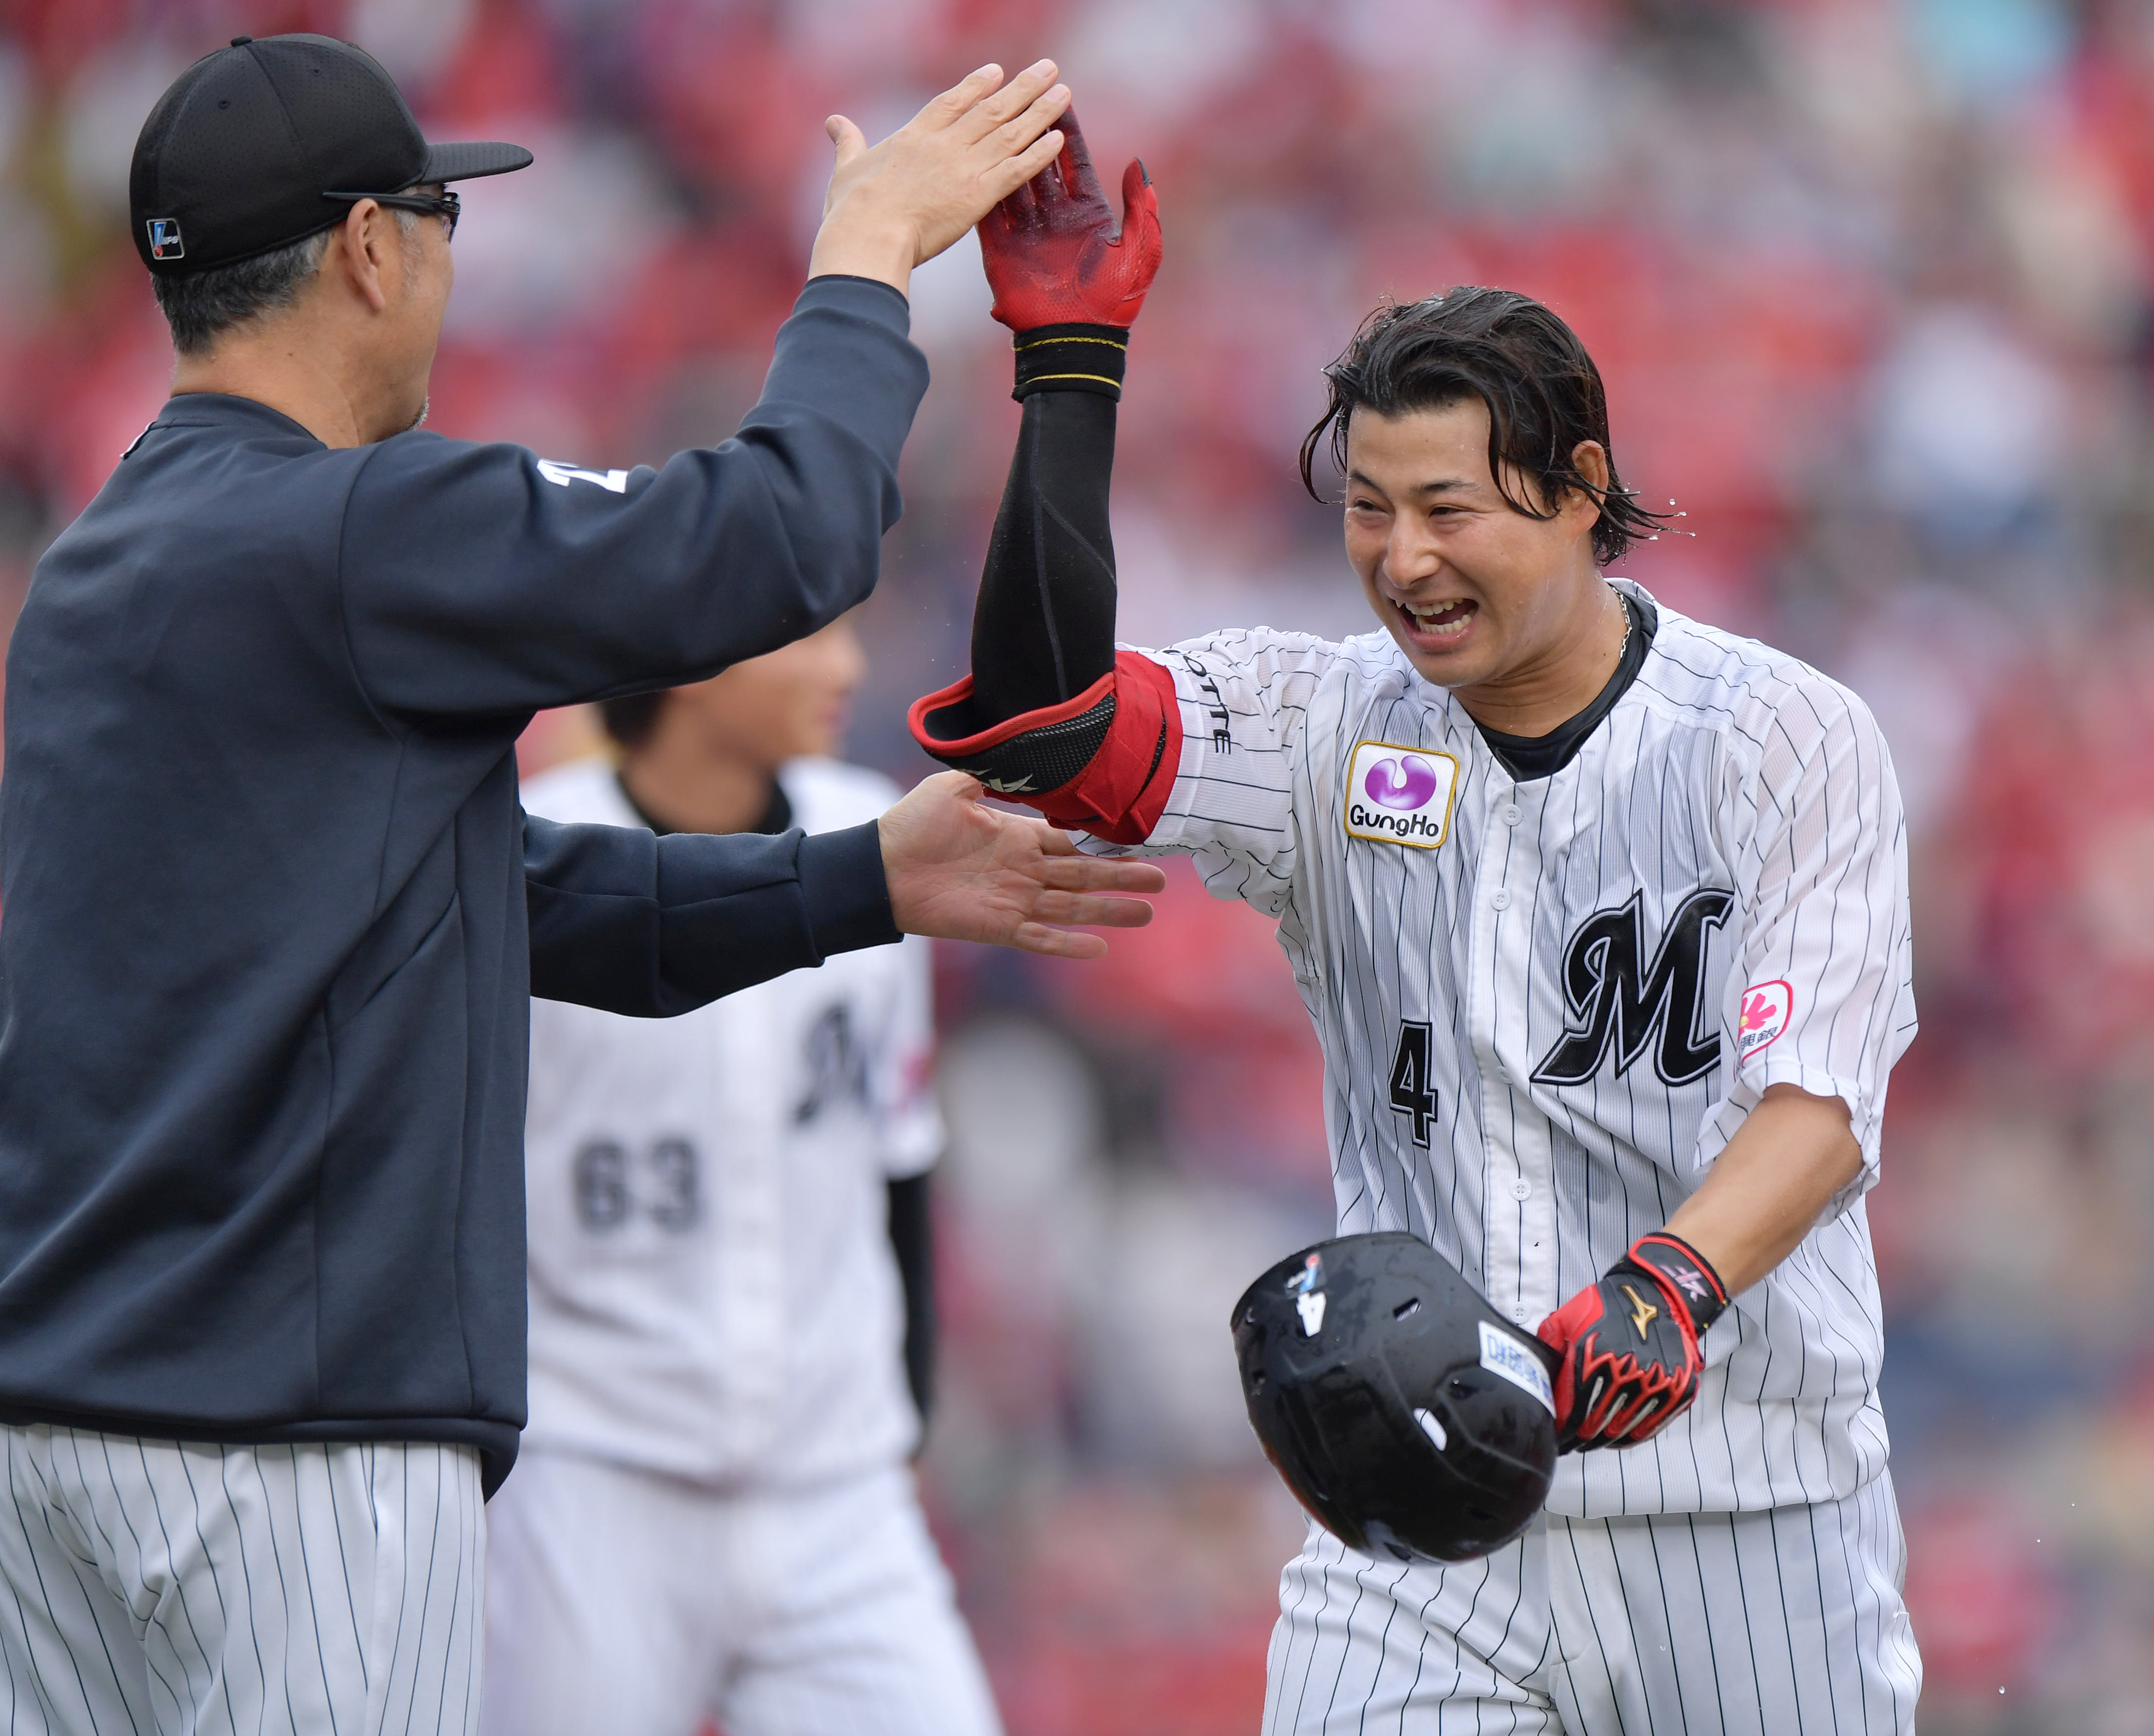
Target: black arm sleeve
[(911, 1238), (1044, 629), (652, 926)]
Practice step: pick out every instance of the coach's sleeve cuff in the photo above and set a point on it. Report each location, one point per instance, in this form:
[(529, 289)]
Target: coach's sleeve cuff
[(847, 891)]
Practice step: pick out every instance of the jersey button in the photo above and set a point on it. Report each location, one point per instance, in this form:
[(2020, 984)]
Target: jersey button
[(1500, 899), (1512, 816), (1521, 1190)]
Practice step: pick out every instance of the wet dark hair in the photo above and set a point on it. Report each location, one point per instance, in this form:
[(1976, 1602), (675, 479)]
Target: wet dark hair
[(630, 720), (1544, 395)]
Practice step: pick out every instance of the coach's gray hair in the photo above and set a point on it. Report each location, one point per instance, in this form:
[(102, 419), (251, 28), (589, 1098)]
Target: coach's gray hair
[(203, 305)]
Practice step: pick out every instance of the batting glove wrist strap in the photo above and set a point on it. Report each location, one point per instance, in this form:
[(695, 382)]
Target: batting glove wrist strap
[(1629, 1345), (1685, 1273), (1072, 358)]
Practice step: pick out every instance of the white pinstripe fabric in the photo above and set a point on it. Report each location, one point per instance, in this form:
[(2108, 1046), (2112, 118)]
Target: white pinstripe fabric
[(635, 1605), (193, 1589), (1726, 767), (1787, 1622)]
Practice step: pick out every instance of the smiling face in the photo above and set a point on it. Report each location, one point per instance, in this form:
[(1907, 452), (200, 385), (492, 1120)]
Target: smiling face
[(1498, 606)]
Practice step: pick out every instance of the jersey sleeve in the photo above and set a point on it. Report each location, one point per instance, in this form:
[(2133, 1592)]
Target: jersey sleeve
[(1822, 983), (1241, 705), (477, 579), (901, 1071)]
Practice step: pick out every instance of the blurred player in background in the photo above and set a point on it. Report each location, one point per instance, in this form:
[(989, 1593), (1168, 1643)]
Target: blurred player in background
[(1602, 917), (730, 1286)]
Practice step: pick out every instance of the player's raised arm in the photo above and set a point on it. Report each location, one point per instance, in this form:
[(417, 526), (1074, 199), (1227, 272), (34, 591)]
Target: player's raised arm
[(1049, 715)]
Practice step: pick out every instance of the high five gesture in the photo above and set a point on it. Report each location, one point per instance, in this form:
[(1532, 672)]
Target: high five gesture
[(896, 205)]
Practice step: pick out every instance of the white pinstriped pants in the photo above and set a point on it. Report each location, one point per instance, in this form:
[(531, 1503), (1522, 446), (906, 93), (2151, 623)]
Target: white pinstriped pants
[(194, 1589), (1787, 1622), (625, 1604)]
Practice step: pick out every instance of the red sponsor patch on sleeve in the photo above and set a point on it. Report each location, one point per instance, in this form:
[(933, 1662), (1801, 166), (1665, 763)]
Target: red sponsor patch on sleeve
[(1767, 1009)]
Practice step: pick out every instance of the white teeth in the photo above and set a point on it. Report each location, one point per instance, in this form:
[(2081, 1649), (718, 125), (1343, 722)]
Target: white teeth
[(1424, 617)]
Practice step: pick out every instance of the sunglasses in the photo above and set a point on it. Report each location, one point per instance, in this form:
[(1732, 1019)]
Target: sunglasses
[(446, 205)]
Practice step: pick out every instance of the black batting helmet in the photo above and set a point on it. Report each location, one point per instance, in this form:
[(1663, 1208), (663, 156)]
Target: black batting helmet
[(1402, 1411)]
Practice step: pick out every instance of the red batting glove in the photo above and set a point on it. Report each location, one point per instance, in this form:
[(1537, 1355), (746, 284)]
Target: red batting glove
[(1629, 1344), (1053, 254)]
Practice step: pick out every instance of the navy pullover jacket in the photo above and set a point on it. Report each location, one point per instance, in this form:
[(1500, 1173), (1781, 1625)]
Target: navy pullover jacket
[(270, 913)]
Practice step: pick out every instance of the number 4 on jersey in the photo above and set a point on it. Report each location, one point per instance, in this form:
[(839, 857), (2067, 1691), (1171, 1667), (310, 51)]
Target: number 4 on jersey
[(1412, 1094)]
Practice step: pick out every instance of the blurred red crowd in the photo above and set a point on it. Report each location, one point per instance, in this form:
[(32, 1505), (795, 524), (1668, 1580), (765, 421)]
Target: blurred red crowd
[(1870, 284)]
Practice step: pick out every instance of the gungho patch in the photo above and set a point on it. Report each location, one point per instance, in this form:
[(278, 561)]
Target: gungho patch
[(1398, 794)]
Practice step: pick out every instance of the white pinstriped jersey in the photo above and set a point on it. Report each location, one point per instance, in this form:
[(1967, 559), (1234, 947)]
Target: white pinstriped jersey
[(1545, 1007), (713, 1292)]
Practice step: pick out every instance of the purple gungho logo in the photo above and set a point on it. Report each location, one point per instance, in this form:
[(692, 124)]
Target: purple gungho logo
[(1400, 794), (1401, 784)]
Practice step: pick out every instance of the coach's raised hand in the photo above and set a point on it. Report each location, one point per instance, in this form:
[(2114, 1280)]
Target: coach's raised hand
[(959, 871), (895, 205)]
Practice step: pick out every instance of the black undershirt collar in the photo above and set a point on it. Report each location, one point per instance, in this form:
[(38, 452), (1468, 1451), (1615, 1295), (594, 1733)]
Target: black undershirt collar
[(776, 817), (1528, 758)]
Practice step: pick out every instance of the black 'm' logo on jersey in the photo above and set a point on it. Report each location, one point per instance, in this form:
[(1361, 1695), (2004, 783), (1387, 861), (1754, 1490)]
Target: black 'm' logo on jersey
[(837, 1064), (1610, 997)]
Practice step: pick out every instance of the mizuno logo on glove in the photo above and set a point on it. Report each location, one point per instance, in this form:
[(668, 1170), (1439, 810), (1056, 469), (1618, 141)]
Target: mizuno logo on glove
[(1611, 1395)]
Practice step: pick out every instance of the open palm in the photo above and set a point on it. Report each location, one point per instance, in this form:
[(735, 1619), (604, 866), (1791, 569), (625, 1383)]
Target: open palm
[(961, 870)]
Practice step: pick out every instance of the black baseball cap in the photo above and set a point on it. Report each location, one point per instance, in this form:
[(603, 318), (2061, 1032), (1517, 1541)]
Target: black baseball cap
[(241, 154)]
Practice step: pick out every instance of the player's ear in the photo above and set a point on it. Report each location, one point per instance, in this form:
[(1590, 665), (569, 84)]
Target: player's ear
[(1589, 459)]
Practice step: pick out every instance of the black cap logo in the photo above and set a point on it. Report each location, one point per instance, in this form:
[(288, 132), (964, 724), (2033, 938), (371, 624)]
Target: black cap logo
[(263, 143)]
